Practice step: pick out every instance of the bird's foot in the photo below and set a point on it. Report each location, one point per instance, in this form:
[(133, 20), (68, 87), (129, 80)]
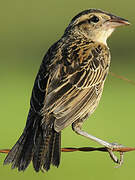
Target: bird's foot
[(116, 147)]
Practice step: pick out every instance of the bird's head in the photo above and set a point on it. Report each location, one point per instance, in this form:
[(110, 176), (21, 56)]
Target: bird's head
[(95, 24)]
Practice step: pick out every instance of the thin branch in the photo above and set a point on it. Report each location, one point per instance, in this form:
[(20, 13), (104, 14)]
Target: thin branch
[(103, 149), (6, 151), (122, 78), (85, 149)]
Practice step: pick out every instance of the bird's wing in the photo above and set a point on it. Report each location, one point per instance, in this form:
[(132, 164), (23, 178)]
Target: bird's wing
[(76, 84)]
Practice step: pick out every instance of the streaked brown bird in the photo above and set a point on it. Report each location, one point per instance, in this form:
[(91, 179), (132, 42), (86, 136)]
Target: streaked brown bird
[(67, 90)]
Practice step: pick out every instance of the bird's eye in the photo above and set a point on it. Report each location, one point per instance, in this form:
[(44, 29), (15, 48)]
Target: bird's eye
[(94, 19)]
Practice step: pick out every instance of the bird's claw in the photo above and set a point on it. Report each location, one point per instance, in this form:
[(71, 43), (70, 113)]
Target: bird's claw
[(115, 146), (121, 160)]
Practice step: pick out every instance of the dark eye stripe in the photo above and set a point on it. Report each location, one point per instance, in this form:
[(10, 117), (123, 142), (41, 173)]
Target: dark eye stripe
[(82, 22)]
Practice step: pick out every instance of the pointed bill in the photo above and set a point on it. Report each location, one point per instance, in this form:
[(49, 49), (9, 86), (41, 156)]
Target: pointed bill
[(117, 21)]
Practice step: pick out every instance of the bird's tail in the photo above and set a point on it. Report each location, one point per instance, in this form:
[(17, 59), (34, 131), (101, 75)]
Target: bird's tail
[(39, 143)]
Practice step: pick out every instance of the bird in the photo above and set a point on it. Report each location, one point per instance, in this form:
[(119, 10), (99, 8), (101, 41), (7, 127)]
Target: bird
[(67, 90)]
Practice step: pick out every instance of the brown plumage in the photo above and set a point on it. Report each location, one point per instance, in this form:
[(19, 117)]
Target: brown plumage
[(67, 89)]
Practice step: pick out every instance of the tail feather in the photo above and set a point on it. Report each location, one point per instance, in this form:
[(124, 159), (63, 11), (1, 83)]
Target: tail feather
[(39, 144), (26, 153), (48, 156), (15, 152), (56, 150), (24, 148)]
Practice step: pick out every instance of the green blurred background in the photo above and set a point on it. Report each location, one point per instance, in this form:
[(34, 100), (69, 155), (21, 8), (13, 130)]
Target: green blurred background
[(27, 29)]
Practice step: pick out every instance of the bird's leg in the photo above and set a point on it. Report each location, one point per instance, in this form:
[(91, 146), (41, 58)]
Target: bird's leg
[(76, 126)]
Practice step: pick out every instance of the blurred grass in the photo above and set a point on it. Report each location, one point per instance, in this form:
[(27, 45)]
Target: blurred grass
[(27, 30)]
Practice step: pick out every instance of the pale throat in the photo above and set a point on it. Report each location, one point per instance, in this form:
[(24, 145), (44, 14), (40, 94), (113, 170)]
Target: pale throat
[(103, 35)]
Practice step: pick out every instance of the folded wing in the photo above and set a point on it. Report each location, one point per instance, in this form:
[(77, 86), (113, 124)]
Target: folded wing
[(73, 89)]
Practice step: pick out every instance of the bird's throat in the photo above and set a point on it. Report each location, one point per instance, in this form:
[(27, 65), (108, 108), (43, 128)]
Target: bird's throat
[(102, 36)]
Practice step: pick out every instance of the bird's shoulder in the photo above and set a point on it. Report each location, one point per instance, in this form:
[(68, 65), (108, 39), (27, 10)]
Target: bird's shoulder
[(75, 55)]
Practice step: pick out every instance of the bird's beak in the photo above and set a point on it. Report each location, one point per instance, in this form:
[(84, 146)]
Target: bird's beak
[(117, 21)]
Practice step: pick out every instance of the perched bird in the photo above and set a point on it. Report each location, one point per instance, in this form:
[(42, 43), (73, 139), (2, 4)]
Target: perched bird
[(67, 90)]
